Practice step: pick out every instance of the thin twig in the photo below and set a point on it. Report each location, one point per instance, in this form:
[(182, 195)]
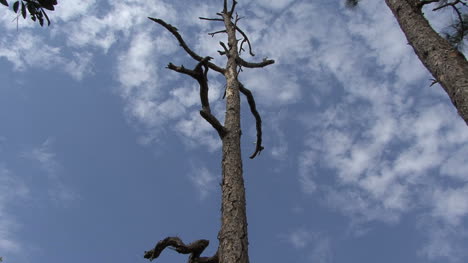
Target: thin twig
[(447, 4), (425, 2), (217, 32)]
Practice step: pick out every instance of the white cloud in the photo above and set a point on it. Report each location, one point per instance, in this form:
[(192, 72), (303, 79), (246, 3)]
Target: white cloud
[(272, 86), (196, 131), (136, 67), (318, 246), (70, 9), (274, 4), (80, 66), (23, 51), (388, 135), (203, 180), (45, 157), (11, 189), (299, 238), (322, 250), (456, 165), (451, 204), (444, 242), (103, 30), (47, 160)]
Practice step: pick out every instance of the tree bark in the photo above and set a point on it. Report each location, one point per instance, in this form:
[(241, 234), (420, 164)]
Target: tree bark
[(447, 65), (233, 242)]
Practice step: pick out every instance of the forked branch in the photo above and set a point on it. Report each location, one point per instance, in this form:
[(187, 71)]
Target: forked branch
[(200, 73)]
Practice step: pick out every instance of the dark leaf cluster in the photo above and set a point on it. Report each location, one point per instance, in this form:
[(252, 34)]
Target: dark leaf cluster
[(35, 8)]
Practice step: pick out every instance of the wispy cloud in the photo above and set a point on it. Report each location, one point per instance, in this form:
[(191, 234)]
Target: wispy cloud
[(11, 189), (444, 242), (298, 238), (44, 156), (317, 245), (389, 137), (203, 180), (21, 51)]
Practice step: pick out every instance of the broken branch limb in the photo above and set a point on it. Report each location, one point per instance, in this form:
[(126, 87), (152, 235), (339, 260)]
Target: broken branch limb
[(181, 69), (258, 119), (234, 3), (182, 43), (194, 249), (217, 32), (226, 50), (262, 64), (211, 19)]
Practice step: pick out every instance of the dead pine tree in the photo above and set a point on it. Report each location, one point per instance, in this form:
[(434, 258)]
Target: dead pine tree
[(233, 238)]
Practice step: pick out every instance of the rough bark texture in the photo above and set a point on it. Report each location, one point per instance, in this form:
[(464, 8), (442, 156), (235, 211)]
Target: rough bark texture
[(233, 243), (448, 66)]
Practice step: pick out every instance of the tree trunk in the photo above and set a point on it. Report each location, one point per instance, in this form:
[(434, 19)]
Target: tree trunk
[(233, 242), (448, 66)]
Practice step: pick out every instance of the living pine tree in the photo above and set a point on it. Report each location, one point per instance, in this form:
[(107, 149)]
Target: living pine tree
[(233, 238), (438, 53)]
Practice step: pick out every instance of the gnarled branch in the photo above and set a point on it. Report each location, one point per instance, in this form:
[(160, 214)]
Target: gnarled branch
[(258, 119), (194, 249), (262, 64), (200, 73), (182, 43)]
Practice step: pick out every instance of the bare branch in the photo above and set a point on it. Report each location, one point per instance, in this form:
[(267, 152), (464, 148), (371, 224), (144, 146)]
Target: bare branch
[(234, 3), (262, 64), (211, 19), (460, 18), (425, 2), (182, 43), (447, 4), (181, 69), (217, 32), (194, 249), (226, 50), (246, 39), (205, 112), (201, 75), (453, 4), (258, 119)]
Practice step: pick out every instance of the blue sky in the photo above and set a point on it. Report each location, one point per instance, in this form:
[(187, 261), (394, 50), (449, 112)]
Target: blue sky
[(103, 152)]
